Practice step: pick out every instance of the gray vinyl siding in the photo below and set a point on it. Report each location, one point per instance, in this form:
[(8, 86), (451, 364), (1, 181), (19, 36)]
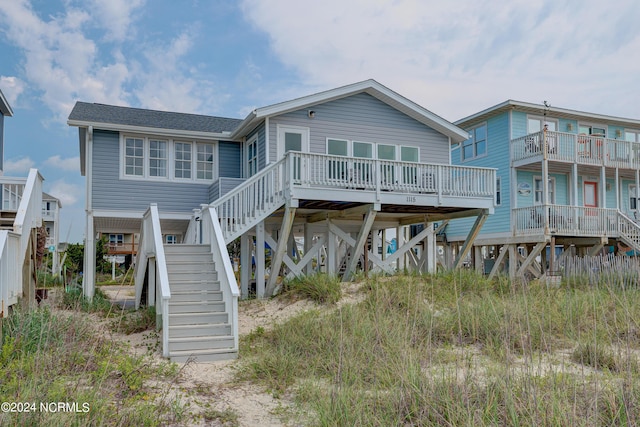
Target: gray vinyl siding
[(363, 118), (222, 187), (229, 159), (109, 192)]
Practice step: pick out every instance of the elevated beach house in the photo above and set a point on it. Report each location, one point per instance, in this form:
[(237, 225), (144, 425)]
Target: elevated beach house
[(318, 181), (567, 183)]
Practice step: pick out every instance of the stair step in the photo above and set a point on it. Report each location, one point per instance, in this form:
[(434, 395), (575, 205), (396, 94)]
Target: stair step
[(180, 248), (183, 356), (196, 307), (181, 285), (190, 266), (189, 257), (201, 343), (199, 330), (195, 296), (192, 276), (192, 319)]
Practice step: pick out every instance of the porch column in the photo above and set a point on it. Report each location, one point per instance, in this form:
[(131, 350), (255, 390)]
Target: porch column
[(331, 252), (259, 256), (618, 189), (399, 244), (308, 244), (637, 191), (574, 179), (89, 262), (545, 182), (603, 188), (278, 256), (430, 250), (246, 243)]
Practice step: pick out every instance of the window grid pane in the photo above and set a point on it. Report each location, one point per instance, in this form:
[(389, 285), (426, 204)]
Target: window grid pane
[(204, 161), (157, 158), (182, 160), (134, 156)]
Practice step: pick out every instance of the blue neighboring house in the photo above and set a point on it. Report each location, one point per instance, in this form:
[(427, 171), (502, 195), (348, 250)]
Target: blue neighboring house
[(324, 181), (590, 163)]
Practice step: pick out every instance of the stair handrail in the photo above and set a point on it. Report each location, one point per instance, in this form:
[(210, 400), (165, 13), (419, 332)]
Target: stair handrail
[(212, 235), (626, 224), (10, 276), (234, 207), (29, 214), (150, 246)]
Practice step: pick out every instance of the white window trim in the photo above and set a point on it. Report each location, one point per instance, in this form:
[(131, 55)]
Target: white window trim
[(553, 185), (595, 125), (170, 160), (473, 144), (375, 148), (281, 129), (245, 165)]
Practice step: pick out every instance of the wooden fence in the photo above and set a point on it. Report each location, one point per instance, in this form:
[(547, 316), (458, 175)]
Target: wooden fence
[(610, 269)]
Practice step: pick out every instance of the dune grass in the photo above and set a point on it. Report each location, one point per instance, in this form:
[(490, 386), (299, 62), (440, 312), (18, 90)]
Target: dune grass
[(49, 357), (458, 349)]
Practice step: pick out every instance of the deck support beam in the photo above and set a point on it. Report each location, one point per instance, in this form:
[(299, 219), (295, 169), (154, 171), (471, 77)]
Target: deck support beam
[(496, 267), (528, 262), (277, 258), (471, 237), (369, 218)]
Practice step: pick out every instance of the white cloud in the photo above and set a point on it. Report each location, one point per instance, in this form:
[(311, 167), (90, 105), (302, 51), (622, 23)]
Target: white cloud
[(69, 164), (115, 16), (60, 61), (19, 166), (67, 193), (459, 57), (11, 87)]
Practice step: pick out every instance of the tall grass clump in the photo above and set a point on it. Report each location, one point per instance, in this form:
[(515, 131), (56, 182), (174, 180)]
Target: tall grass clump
[(321, 288), (48, 357), (459, 349)]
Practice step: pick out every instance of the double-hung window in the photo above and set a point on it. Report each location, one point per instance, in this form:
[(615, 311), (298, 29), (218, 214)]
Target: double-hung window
[(134, 157), (476, 145), (204, 163), (182, 162), (157, 158), (252, 156)]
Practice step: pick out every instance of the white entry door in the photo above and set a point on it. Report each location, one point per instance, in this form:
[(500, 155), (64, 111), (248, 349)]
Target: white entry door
[(293, 138)]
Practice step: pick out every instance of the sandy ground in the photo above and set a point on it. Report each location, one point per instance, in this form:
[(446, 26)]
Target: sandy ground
[(206, 386)]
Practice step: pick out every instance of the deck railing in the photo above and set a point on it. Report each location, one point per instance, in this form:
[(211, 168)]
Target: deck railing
[(257, 197), (319, 170), (573, 148), (566, 220)]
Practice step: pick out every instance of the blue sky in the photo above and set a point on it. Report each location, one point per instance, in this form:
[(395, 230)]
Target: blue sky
[(225, 58)]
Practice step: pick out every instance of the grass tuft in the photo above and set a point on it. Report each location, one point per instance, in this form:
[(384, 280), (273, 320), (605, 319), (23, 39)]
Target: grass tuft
[(321, 288)]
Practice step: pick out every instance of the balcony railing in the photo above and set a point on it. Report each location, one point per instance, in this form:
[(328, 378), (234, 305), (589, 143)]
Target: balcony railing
[(121, 248), (582, 149), (319, 170), (565, 220)]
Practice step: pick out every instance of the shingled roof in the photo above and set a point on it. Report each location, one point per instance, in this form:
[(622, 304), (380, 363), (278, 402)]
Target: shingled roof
[(100, 113)]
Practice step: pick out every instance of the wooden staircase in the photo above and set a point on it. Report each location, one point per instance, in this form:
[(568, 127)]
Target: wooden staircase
[(199, 321), (7, 218), (629, 231)]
